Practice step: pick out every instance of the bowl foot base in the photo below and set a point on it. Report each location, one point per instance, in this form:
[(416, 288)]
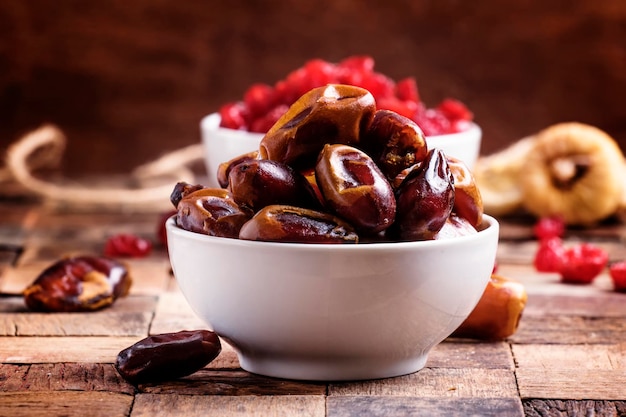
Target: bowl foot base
[(324, 369)]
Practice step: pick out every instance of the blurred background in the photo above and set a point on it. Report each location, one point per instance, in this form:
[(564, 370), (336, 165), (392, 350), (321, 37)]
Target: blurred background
[(128, 81)]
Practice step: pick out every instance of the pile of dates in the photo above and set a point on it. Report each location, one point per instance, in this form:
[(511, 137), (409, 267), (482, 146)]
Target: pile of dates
[(335, 169), (262, 104)]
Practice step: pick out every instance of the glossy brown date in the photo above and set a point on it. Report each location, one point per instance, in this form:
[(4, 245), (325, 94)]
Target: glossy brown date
[(280, 223), (168, 356), (211, 211), (468, 202), (355, 189), (498, 312), (258, 183), (331, 114), (394, 142), (223, 170), (424, 199), (80, 283), (181, 189)]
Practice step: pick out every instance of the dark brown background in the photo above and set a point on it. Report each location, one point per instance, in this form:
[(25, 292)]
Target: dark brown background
[(129, 80)]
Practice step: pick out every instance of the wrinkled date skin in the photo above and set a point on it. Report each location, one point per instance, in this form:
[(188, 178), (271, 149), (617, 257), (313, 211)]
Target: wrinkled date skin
[(468, 202), (213, 212), (223, 170), (355, 189), (168, 356), (280, 223), (394, 142), (80, 283), (258, 183), (182, 189), (424, 199), (330, 114)]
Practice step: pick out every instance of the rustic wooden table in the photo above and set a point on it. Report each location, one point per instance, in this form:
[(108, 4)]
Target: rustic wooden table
[(568, 356)]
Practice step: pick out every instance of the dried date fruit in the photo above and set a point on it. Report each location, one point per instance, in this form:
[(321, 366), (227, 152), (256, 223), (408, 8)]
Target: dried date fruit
[(213, 212), (225, 167), (394, 142), (355, 189), (80, 283), (168, 356), (330, 114), (498, 312), (258, 183), (468, 202), (280, 223), (182, 189), (424, 199)]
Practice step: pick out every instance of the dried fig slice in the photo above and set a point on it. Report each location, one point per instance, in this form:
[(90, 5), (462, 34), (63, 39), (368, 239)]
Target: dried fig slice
[(335, 113), (574, 171)]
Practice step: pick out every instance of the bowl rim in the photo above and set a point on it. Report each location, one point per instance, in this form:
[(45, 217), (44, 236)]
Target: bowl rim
[(211, 122), (491, 226)]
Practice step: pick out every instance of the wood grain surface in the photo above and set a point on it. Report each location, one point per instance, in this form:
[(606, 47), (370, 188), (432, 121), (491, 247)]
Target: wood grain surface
[(568, 357)]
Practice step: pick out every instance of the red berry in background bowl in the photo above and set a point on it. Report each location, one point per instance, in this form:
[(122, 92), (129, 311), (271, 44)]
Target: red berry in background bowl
[(617, 271), (582, 263)]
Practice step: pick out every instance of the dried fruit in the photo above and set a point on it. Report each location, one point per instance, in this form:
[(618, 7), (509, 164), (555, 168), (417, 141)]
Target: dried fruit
[(549, 255), (468, 202), (278, 223), (424, 200), (79, 283), (325, 115), (211, 211), (582, 263), (168, 356), (260, 182), (225, 167), (549, 227), (573, 171), (394, 142), (355, 189), (127, 245), (498, 312), (617, 271)]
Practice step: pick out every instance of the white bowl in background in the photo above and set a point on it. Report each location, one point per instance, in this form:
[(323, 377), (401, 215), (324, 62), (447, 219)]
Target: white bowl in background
[(222, 144), (332, 312)]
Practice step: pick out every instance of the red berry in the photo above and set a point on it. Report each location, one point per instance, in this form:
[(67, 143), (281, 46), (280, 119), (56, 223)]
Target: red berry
[(406, 90), (432, 122), (128, 246), (406, 108), (454, 110), (233, 116), (161, 234), (549, 255), (264, 123), (358, 63), (582, 263), (548, 227), (258, 99), (617, 271)]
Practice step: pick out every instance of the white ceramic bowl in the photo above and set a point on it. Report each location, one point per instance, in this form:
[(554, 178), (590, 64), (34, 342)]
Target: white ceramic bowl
[(332, 312), (222, 144)]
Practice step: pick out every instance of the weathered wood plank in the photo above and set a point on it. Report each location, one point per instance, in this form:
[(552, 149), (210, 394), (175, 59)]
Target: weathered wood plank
[(12, 376), (348, 406), (173, 313), (570, 330), (559, 408), (65, 404), (75, 377), (470, 354), (604, 304), (233, 382), (437, 383), (571, 371), (55, 349), (175, 405)]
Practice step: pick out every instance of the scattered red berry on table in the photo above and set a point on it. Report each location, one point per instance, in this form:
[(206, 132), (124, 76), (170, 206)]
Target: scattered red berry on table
[(617, 271), (549, 255), (127, 246), (262, 104), (582, 263), (549, 227)]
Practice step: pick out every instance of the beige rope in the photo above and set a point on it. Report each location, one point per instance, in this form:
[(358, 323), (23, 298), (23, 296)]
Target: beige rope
[(151, 186)]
